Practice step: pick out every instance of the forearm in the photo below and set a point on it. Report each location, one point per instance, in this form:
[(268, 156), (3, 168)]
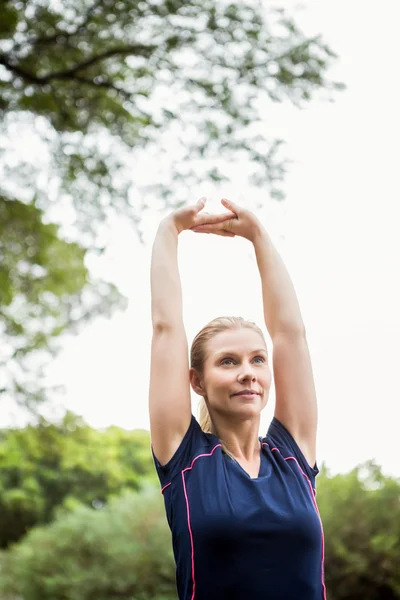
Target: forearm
[(281, 308), (166, 289)]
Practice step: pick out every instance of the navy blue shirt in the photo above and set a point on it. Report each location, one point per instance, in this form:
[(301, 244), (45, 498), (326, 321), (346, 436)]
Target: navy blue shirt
[(241, 538)]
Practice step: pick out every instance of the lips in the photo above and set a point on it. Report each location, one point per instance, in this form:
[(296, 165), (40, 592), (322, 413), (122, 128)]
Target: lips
[(246, 393)]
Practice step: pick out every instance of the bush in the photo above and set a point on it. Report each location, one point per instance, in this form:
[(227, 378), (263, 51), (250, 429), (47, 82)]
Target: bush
[(360, 511), (47, 468), (121, 551)]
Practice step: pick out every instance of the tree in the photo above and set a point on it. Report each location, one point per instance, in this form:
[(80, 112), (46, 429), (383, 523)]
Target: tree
[(45, 288), (49, 468), (360, 511), (86, 85), (120, 552)]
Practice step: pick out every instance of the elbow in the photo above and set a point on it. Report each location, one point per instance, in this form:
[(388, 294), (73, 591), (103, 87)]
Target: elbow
[(161, 326), (290, 330)]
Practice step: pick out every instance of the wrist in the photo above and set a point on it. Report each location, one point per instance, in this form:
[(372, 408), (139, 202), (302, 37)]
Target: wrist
[(168, 224), (258, 234)]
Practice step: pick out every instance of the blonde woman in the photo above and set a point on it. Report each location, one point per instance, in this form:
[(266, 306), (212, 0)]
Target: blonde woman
[(241, 508)]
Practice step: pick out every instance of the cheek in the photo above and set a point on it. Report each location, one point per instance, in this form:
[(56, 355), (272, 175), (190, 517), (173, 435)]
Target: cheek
[(266, 378), (224, 378), (221, 378)]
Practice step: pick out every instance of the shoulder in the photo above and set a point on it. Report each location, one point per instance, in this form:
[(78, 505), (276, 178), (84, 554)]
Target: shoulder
[(195, 444), (279, 439)]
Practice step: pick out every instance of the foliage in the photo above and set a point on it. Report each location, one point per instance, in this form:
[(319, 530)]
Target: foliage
[(130, 69), (120, 552), (48, 468), (45, 288), (85, 87), (360, 511)]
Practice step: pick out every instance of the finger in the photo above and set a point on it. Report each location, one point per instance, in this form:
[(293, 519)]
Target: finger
[(209, 227), (231, 205), (225, 233), (230, 224), (219, 232), (227, 224), (200, 204), (206, 218)]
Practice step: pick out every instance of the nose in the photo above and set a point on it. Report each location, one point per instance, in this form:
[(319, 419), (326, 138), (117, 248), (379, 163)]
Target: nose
[(247, 374)]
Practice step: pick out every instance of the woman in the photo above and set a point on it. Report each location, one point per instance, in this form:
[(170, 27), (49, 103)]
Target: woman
[(242, 509)]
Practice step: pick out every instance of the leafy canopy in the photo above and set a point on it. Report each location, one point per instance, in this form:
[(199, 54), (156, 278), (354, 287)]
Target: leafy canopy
[(107, 77), (45, 289), (88, 86)]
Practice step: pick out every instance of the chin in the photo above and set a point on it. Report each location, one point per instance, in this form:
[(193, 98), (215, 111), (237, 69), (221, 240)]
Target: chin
[(249, 412)]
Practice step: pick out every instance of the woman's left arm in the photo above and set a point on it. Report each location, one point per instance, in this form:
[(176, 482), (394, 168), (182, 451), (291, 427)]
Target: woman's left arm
[(296, 400)]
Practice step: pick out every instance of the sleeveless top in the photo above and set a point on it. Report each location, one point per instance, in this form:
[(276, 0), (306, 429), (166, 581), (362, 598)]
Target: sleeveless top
[(241, 538)]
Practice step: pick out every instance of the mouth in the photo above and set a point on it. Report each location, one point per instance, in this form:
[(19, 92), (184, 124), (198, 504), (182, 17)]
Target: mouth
[(247, 393)]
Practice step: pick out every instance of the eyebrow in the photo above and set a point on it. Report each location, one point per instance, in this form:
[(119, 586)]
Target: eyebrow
[(230, 352)]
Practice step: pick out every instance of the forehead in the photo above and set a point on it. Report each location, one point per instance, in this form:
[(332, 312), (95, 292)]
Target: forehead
[(235, 340)]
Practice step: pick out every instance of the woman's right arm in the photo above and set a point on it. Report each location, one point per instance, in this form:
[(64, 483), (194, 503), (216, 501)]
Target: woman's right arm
[(169, 397), (170, 405)]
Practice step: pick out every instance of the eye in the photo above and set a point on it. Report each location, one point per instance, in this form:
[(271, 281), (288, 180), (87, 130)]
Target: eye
[(227, 360), (259, 358)]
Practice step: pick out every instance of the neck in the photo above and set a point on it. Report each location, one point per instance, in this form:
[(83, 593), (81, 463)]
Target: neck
[(240, 439)]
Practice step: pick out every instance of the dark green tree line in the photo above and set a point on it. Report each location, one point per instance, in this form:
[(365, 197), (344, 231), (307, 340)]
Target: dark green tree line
[(52, 467), (361, 515)]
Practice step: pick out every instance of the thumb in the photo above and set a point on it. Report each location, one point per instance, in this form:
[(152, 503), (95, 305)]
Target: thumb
[(200, 204), (233, 207)]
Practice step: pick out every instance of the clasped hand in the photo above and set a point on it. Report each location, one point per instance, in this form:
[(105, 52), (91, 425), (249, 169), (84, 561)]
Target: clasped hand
[(238, 221)]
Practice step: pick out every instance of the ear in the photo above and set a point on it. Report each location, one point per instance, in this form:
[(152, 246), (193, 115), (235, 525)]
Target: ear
[(196, 382)]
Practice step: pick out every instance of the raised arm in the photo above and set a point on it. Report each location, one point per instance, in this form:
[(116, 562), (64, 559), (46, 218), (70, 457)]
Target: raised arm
[(169, 394), (296, 402)]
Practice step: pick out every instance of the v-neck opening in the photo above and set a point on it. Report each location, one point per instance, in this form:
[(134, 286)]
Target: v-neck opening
[(259, 476)]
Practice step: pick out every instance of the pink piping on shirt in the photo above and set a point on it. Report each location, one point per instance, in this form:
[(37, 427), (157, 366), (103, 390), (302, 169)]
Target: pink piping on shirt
[(165, 486), (188, 511), (313, 494)]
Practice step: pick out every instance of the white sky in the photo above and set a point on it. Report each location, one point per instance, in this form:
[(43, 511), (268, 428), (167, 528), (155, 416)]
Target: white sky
[(338, 234)]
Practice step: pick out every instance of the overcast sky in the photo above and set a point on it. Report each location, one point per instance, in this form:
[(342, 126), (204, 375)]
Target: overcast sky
[(337, 232)]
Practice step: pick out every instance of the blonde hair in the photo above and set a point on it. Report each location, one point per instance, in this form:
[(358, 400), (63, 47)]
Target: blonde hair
[(198, 356)]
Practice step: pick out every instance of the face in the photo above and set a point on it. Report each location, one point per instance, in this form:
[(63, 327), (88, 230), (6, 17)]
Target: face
[(236, 360)]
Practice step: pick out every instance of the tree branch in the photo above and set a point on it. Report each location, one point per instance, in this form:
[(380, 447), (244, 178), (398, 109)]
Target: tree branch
[(17, 70), (104, 84), (135, 50)]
